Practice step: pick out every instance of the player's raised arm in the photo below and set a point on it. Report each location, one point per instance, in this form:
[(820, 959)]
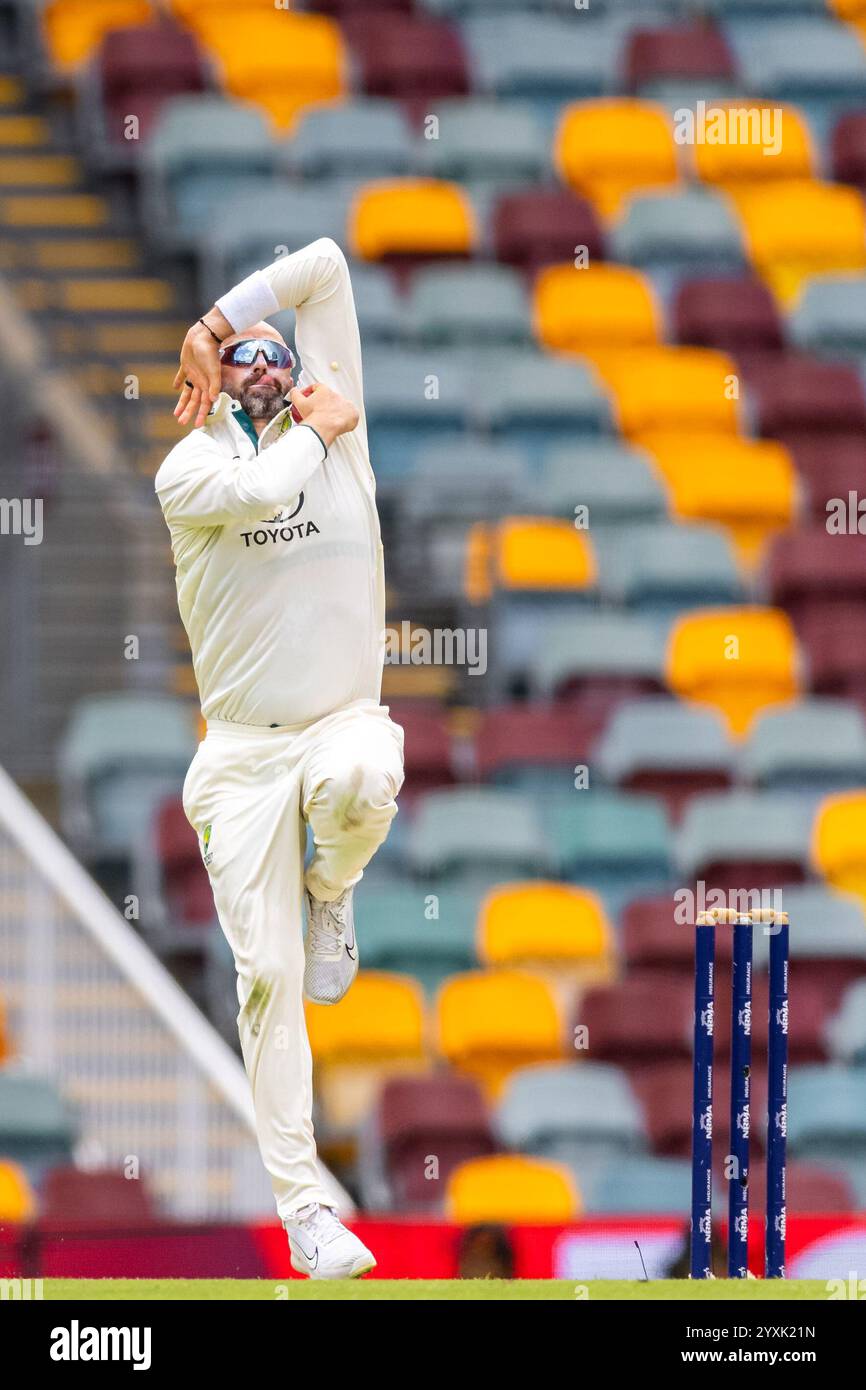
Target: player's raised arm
[(315, 282)]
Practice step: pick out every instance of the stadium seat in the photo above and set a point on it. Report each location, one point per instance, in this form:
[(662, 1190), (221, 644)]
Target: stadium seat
[(412, 218), (489, 1023), (381, 311), (801, 227), (748, 486), (847, 1030), (485, 141), (37, 1128), (608, 149), (576, 1113), (405, 414), (460, 480), (551, 929), (170, 879), (465, 305), (791, 394), (419, 1116), (535, 401), (640, 1184), (667, 749), (834, 643), (660, 569), (281, 61), (758, 840), (613, 481), (828, 947), (656, 937), (199, 147), (827, 1114), (376, 1031), (603, 306), (17, 1198), (135, 71), (838, 849), (679, 232), (409, 931), (120, 756), (731, 314), (609, 840), (671, 388), (808, 59), (534, 555), (407, 57), (812, 571), (639, 1022), (815, 746), (830, 316), (543, 226), (613, 653), (739, 163), (738, 660), (848, 149), (72, 32), (830, 466), (95, 1199), (428, 755), (697, 53), (541, 57), (481, 826), (361, 138), (532, 745), (508, 1188)]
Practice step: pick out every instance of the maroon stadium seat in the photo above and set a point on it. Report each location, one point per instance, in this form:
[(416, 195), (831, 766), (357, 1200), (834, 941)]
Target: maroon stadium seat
[(733, 315), (543, 226), (810, 571), (795, 392), (409, 58), (516, 737), (806, 1042), (665, 1095), (831, 466), (138, 69), (645, 1019), (95, 1198), (690, 51), (848, 149), (427, 747), (834, 643), (653, 940), (344, 9), (418, 1116), (185, 884)]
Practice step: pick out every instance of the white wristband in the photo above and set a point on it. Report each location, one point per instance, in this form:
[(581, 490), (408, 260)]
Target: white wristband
[(249, 302)]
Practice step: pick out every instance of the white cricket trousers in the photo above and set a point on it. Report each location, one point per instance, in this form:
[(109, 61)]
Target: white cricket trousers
[(249, 793)]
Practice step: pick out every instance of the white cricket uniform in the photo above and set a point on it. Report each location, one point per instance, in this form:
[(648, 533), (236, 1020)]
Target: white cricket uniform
[(281, 589)]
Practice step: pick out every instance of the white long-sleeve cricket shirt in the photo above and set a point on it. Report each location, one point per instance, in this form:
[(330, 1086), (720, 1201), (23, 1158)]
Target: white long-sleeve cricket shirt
[(280, 579)]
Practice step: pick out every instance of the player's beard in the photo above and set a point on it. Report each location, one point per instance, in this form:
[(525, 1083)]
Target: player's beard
[(261, 402)]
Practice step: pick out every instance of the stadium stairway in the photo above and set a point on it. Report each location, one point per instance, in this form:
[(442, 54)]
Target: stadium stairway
[(70, 264)]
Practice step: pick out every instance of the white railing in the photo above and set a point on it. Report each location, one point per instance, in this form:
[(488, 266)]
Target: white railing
[(88, 1005)]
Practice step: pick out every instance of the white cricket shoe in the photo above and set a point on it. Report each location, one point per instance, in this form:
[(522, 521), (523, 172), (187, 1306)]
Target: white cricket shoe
[(331, 949), (323, 1248)]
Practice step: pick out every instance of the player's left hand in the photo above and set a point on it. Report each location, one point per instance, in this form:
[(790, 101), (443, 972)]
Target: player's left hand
[(198, 376)]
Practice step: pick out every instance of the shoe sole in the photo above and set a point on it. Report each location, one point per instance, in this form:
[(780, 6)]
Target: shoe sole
[(361, 1267)]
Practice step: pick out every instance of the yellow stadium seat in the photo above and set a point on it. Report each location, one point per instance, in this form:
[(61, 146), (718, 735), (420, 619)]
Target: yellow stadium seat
[(17, 1200), (412, 217), (553, 930), (742, 156), (671, 388), (283, 62), (73, 29), (5, 1042), (607, 149), (492, 1022), (739, 660), (510, 1189), (748, 485), (528, 553), (601, 306), (839, 841), (376, 1031), (801, 228)]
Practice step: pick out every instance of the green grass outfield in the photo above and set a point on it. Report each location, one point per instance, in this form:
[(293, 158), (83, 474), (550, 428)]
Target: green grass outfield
[(427, 1290)]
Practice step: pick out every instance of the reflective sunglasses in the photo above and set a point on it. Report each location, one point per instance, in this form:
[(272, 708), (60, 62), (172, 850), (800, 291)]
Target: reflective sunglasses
[(245, 353)]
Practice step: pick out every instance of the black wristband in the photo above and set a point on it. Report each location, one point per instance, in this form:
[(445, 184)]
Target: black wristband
[(318, 436), (211, 332)]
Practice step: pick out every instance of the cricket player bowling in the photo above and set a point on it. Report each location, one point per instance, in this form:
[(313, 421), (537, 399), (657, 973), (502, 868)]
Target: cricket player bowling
[(270, 501)]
